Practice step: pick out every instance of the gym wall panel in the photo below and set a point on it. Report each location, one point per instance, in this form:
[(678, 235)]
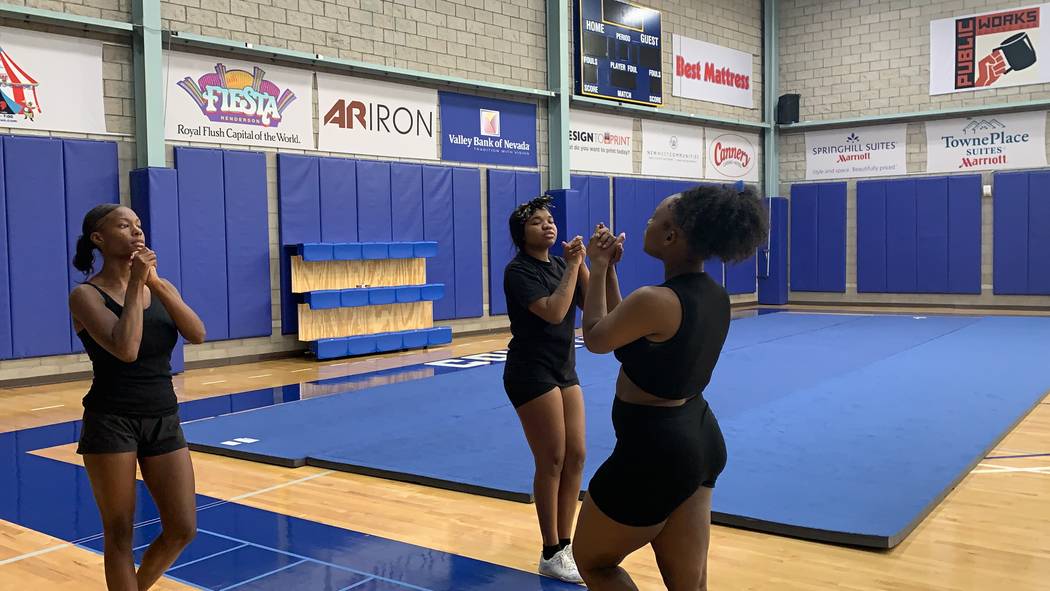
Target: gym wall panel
[(37, 251), (502, 199), (772, 283), (299, 220), (247, 244), (438, 227), (337, 190), (466, 213), (964, 234), (832, 237), (1039, 233), (625, 221), (1010, 226), (406, 202), (5, 284), (931, 230), (741, 277), (805, 274), (901, 237), (91, 178), (871, 236), (373, 202), (202, 225)]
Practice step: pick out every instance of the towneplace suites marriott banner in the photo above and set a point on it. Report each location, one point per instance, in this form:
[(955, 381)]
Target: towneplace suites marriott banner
[(857, 152), (986, 143)]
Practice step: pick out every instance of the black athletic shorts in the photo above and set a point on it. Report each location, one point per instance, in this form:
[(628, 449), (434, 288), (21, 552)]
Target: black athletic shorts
[(662, 456), (522, 392), (147, 436)]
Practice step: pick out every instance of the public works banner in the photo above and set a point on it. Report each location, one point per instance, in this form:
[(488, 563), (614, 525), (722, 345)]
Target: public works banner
[(487, 131), (990, 50), (50, 82)]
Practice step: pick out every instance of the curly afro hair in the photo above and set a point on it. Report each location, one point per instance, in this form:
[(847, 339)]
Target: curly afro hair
[(719, 220)]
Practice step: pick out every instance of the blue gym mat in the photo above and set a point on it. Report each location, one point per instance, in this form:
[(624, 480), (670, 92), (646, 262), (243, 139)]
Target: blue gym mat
[(847, 429)]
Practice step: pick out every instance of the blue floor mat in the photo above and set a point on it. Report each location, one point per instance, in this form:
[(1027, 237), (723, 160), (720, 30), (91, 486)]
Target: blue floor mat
[(847, 429)]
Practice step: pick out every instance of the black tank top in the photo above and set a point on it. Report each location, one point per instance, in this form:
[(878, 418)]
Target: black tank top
[(681, 367), (143, 387)]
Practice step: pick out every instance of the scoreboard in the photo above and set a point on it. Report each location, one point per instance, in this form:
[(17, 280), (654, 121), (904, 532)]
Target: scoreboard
[(618, 51)]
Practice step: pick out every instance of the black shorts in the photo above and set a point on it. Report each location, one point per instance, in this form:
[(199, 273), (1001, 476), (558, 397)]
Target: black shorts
[(147, 436), (662, 456), (522, 392)]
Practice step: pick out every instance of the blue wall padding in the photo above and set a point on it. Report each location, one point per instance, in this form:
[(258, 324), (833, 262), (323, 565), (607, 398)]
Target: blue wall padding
[(391, 341), (406, 194), (805, 275), (155, 198), (1010, 228), (1039, 233), (437, 226), (818, 237), (299, 220), (247, 245), (502, 199), (526, 186), (373, 201), (647, 196), (347, 252), (402, 250), (375, 251), (466, 215), (832, 220), (202, 221), (919, 235), (337, 184), (91, 178), (37, 256), (772, 286), (318, 251), (931, 213), (624, 221), (716, 269), (901, 236), (741, 277), (599, 210), (5, 284), (871, 236), (964, 234)]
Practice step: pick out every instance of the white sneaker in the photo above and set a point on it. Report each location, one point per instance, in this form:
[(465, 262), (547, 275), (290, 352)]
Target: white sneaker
[(561, 566)]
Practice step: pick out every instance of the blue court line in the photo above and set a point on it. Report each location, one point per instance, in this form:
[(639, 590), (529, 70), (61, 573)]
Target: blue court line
[(358, 584), (165, 575), (262, 576), (314, 560), (1017, 457), (210, 556)]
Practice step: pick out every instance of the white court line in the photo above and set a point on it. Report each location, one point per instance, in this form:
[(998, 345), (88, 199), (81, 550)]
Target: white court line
[(335, 364), (302, 370), (279, 486), (994, 469), (262, 375), (47, 407), (210, 383), (33, 554)]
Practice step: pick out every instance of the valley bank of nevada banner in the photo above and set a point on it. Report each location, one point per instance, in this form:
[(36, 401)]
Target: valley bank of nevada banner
[(221, 101), (487, 131), (359, 116), (995, 142), (857, 152), (990, 50)]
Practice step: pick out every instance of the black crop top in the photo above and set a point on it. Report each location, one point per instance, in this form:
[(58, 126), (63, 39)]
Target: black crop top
[(681, 367), (143, 387)]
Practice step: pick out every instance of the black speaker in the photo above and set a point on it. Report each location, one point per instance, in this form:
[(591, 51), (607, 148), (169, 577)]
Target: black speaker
[(787, 109)]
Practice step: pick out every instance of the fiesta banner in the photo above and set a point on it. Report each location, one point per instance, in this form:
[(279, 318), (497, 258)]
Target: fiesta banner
[(50, 82), (731, 156), (487, 131), (986, 143), (709, 72), (377, 118), (990, 50), (222, 101), (601, 143)]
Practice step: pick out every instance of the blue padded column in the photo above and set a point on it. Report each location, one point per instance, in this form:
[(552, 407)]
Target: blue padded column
[(155, 198), (804, 228), (964, 234), (299, 221), (36, 226), (901, 238), (1039, 233), (502, 199), (373, 202), (247, 245), (5, 284), (871, 236), (406, 202), (831, 229), (624, 221), (202, 223), (438, 227), (1010, 228), (598, 202), (337, 184), (931, 229), (647, 193), (466, 215), (773, 288), (91, 178)]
